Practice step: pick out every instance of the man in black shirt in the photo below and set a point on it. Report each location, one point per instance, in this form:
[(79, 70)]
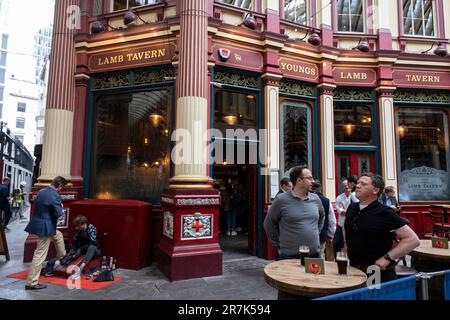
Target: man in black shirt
[(369, 228)]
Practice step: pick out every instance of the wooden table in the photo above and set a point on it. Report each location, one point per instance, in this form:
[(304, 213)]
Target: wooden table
[(446, 208), (293, 282), (425, 258)]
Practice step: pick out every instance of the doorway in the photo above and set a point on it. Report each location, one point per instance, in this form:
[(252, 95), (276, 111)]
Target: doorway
[(350, 163)]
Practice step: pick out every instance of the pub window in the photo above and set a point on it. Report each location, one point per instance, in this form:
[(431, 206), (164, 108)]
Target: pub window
[(353, 124), (295, 11), (131, 157), (234, 110), (295, 135), (423, 154), (418, 17), (350, 15), (243, 4), (125, 4)]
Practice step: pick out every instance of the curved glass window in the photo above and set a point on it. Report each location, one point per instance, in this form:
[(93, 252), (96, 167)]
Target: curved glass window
[(295, 142), (423, 154), (353, 124), (130, 153)]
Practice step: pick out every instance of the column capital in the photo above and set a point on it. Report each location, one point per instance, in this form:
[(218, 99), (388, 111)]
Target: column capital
[(271, 79), (385, 92), (326, 89)]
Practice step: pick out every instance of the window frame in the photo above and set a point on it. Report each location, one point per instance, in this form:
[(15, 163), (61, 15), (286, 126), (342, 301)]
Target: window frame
[(438, 21), (20, 118), (309, 8), (367, 16), (111, 6), (367, 104), (20, 104), (254, 5), (310, 129)]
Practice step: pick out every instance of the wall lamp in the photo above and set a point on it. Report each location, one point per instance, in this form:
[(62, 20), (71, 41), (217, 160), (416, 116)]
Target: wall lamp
[(362, 46), (249, 21), (131, 16), (98, 27), (314, 39), (440, 51)]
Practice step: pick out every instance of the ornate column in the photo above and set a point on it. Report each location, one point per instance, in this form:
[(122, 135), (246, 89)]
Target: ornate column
[(57, 147), (328, 176), (387, 136), (190, 243)]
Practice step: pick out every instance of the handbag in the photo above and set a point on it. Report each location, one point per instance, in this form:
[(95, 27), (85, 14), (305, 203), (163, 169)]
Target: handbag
[(105, 275)]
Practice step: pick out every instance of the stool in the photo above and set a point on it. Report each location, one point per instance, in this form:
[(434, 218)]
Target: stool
[(404, 271)]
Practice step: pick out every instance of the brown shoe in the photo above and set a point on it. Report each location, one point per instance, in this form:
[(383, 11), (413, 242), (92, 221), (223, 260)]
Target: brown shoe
[(39, 286)]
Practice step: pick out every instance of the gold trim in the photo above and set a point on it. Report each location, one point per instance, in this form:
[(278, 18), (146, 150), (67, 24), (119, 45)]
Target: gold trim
[(138, 45), (122, 38), (190, 186)]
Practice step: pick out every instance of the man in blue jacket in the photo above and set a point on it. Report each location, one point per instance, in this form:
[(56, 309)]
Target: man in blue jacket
[(47, 210), (4, 202)]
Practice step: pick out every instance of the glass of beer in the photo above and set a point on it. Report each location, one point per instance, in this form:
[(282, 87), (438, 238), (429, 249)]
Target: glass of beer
[(342, 262), (304, 253)]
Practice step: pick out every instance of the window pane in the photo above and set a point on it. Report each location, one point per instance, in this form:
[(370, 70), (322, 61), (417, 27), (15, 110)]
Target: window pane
[(2, 76), (20, 123), (356, 7), (295, 10), (119, 4), (429, 23), (353, 124), (137, 3), (408, 27), (1, 110), (3, 59), (244, 4), (4, 41), (21, 107), (1, 92), (131, 157), (234, 110), (418, 27), (423, 155), (407, 12), (296, 136)]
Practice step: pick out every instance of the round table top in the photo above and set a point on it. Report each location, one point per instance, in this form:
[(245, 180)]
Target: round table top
[(426, 251), (290, 277)]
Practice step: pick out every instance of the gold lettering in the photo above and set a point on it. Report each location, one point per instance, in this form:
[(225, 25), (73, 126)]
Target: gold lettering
[(129, 56), (422, 78), (162, 52), (120, 59), (147, 54), (154, 53)]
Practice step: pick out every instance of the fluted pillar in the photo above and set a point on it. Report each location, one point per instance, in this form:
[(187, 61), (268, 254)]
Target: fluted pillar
[(192, 96), (57, 147)]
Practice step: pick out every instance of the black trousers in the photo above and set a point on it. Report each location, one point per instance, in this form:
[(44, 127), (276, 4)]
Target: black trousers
[(7, 214), (90, 252), (338, 242)]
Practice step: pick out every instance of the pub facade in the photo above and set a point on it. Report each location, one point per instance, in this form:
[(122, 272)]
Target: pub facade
[(343, 86)]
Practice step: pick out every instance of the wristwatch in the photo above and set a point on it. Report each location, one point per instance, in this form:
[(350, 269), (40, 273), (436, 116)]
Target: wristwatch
[(388, 258)]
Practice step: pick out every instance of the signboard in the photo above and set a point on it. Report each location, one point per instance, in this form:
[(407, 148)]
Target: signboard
[(439, 243), (314, 265), (299, 70), (237, 57), (354, 76), (421, 79), (134, 57), (423, 184)]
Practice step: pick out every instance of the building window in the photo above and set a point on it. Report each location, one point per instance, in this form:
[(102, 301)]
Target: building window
[(423, 154), (2, 58), (295, 11), (353, 124), (1, 92), (418, 17), (20, 123), (21, 107), (125, 4), (295, 135), (1, 109), (131, 145), (2, 76), (350, 15), (243, 4), (4, 42)]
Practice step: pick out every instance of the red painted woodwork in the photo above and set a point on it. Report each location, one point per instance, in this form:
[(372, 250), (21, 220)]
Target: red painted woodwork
[(123, 229), (184, 256), (354, 158), (419, 218), (269, 250)]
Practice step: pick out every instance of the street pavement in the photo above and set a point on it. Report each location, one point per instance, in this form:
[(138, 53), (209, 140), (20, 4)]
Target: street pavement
[(242, 279)]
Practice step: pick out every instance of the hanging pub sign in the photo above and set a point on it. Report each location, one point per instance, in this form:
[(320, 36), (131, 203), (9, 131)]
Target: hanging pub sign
[(131, 57), (354, 76), (421, 79), (237, 57), (299, 70)]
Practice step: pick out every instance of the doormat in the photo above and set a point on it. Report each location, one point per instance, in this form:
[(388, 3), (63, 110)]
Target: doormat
[(84, 284)]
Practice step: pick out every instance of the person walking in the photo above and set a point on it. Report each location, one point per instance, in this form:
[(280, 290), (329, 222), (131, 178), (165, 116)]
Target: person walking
[(296, 218), (342, 203), (47, 210), (5, 206), (370, 227), (329, 227)]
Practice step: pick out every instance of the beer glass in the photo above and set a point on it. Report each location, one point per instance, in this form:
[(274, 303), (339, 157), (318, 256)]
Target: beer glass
[(342, 262), (304, 253)]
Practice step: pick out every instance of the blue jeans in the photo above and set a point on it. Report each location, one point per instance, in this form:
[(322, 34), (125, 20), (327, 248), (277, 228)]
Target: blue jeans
[(231, 219)]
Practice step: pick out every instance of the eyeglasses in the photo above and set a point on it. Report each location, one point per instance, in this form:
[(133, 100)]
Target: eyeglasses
[(308, 178)]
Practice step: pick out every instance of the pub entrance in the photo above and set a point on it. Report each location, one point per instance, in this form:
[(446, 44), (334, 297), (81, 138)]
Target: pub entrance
[(350, 163), (237, 184)]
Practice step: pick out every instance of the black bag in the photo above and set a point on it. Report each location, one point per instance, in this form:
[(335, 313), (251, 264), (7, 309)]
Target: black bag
[(105, 275)]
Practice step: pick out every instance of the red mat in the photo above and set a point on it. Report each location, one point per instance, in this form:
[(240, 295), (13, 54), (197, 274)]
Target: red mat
[(62, 281)]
